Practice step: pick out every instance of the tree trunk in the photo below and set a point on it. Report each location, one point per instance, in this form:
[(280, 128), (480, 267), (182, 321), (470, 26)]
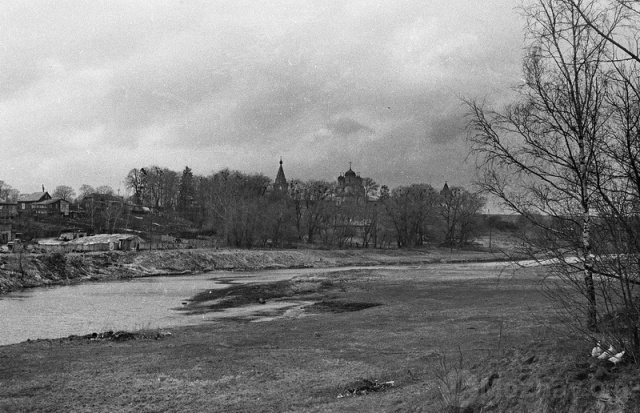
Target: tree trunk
[(588, 272), (586, 238)]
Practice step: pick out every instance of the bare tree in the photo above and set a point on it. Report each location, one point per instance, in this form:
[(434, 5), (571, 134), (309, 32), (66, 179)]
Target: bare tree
[(296, 194), (371, 188), (317, 198), (542, 155), (615, 21), (459, 211), (85, 190), (153, 185), (110, 213), (410, 209), (233, 206), (567, 156), (65, 192), (170, 189), (7, 193), (136, 181), (105, 190)]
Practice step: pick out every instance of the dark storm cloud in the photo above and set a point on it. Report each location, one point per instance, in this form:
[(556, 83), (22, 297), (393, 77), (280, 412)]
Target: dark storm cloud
[(238, 84), (448, 126)]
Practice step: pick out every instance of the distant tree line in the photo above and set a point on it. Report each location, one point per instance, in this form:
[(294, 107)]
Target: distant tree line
[(246, 210)]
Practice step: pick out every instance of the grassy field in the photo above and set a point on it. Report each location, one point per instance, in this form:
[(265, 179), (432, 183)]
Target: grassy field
[(430, 338)]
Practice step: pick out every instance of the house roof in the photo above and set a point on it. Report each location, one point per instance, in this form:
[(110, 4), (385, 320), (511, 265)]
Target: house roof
[(51, 201), (5, 202), (34, 197), (102, 239)]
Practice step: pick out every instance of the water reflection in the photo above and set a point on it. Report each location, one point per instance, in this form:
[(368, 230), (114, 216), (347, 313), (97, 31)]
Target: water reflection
[(94, 307), (139, 303)]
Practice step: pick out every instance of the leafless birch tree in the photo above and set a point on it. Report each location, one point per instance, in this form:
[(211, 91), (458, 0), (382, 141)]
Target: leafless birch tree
[(540, 154), (566, 154)]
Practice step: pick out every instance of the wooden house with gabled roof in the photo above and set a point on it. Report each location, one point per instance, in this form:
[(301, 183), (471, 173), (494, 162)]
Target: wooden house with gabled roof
[(53, 206), (26, 201)]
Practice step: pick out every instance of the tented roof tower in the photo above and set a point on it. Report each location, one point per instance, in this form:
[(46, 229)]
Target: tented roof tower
[(281, 181)]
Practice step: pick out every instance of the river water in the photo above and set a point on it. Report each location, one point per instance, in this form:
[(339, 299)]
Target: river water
[(139, 303), (155, 302)]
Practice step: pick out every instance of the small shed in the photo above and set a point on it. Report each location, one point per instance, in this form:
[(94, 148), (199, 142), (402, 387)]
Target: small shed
[(106, 242), (5, 234)]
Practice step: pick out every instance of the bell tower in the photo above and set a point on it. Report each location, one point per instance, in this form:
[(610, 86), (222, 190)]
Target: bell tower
[(280, 182)]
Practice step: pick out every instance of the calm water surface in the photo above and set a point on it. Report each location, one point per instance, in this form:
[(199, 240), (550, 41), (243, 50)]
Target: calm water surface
[(139, 303)]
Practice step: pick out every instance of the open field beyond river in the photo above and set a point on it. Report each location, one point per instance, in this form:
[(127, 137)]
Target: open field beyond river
[(357, 340)]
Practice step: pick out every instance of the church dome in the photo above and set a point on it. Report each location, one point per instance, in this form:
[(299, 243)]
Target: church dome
[(350, 173)]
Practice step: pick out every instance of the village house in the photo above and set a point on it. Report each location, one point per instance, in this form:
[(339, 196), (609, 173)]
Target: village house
[(51, 206), (26, 201), (8, 209)]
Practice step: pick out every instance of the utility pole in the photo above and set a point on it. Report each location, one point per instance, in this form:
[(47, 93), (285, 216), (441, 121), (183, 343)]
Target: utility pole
[(490, 226), (93, 225)]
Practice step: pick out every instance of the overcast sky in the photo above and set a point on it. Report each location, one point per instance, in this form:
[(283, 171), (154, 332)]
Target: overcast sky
[(91, 89)]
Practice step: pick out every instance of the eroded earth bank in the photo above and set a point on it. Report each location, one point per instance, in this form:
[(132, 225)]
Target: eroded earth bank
[(33, 270)]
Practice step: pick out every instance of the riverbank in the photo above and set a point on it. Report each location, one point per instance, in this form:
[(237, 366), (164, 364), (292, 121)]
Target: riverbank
[(18, 271), (456, 337)]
